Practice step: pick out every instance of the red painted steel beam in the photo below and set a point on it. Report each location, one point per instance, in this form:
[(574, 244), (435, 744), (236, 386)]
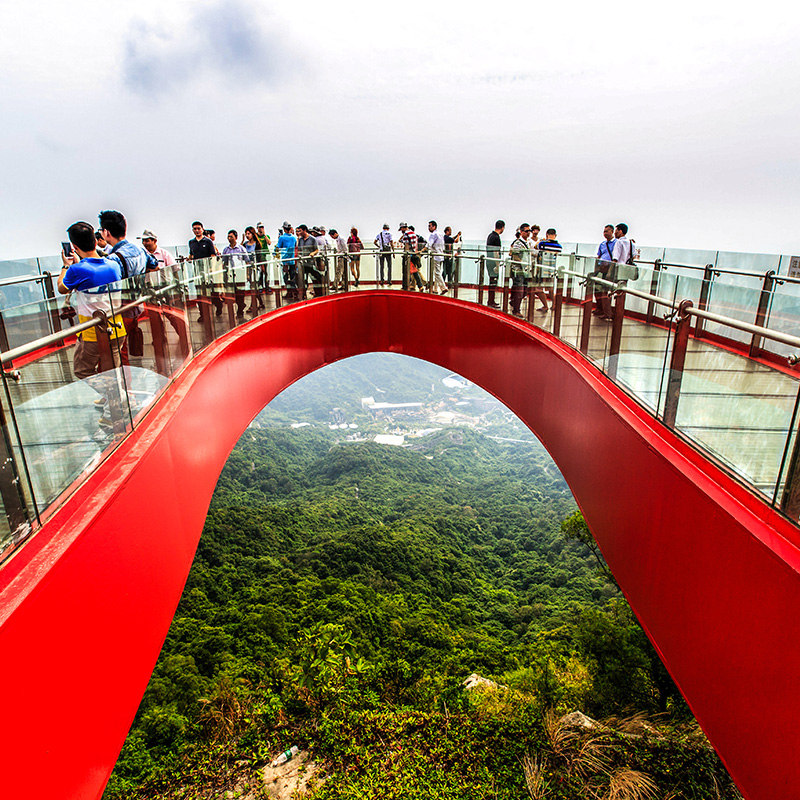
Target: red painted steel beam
[(711, 571)]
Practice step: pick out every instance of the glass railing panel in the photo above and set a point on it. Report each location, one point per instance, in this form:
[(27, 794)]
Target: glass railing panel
[(649, 254), (788, 481), (14, 292), (369, 272), (747, 262), (19, 514), (69, 409), (736, 409), (14, 268), (51, 264), (636, 276), (202, 302), (573, 271), (783, 315), (672, 286), (587, 249), (691, 258), (30, 321), (467, 262), (640, 362), (145, 356), (738, 302)]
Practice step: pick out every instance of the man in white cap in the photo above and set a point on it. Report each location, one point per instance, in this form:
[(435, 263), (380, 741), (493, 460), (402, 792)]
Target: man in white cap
[(163, 257)]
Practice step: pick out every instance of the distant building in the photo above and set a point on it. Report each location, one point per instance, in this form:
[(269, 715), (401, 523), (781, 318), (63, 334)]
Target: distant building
[(390, 409), (456, 382), (387, 438)]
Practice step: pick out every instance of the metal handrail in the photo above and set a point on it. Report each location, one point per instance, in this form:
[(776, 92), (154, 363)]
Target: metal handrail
[(53, 338), (766, 333), (757, 330), (730, 322), (207, 272), (25, 279)]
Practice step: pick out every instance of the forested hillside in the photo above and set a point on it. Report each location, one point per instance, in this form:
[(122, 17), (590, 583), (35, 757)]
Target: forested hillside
[(343, 591), (341, 594)]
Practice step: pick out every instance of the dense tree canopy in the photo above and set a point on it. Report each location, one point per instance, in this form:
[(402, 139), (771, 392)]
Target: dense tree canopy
[(340, 595)]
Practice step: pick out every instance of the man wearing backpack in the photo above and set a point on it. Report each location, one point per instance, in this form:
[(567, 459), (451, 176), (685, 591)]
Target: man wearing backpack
[(385, 245), (622, 247), (603, 264), (133, 260)]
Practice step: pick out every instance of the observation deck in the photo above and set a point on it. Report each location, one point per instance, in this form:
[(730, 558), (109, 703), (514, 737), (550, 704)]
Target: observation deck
[(674, 423)]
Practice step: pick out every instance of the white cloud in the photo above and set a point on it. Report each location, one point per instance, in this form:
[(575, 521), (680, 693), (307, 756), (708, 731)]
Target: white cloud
[(680, 118)]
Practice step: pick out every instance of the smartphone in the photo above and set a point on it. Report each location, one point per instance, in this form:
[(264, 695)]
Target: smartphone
[(66, 247)]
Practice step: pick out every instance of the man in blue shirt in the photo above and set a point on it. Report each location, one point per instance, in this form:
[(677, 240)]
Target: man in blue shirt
[(286, 247), (548, 248), (605, 259), (93, 282)]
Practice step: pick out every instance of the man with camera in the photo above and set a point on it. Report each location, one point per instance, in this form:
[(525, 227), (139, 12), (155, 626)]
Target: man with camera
[(92, 279)]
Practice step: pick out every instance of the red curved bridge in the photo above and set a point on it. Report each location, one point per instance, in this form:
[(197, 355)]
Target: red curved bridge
[(710, 569)]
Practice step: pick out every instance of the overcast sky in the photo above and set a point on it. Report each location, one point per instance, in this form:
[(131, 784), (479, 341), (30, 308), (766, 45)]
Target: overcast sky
[(681, 119)]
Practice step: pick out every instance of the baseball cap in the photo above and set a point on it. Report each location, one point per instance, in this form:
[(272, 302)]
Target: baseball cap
[(286, 224), (259, 225), (146, 234)]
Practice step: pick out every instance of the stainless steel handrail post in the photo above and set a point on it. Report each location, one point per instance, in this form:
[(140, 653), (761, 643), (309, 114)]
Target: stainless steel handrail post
[(616, 335), (677, 363), (705, 293), (558, 302), (651, 306), (12, 495), (586, 316), (764, 299)]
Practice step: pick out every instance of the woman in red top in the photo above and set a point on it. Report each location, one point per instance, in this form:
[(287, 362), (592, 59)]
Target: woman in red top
[(354, 247)]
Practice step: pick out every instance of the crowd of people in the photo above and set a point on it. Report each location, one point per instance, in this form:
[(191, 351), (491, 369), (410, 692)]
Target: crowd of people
[(94, 261), (528, 255)]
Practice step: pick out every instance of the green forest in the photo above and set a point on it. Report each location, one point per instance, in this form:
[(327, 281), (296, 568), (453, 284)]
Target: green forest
[(341, 594)]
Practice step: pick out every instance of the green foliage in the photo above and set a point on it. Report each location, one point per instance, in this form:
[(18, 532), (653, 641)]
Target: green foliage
[(341, 594)]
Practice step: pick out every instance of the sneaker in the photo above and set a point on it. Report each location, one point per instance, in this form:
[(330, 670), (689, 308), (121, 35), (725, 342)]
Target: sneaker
[(101, 401), (105, 422), (493, 305)]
